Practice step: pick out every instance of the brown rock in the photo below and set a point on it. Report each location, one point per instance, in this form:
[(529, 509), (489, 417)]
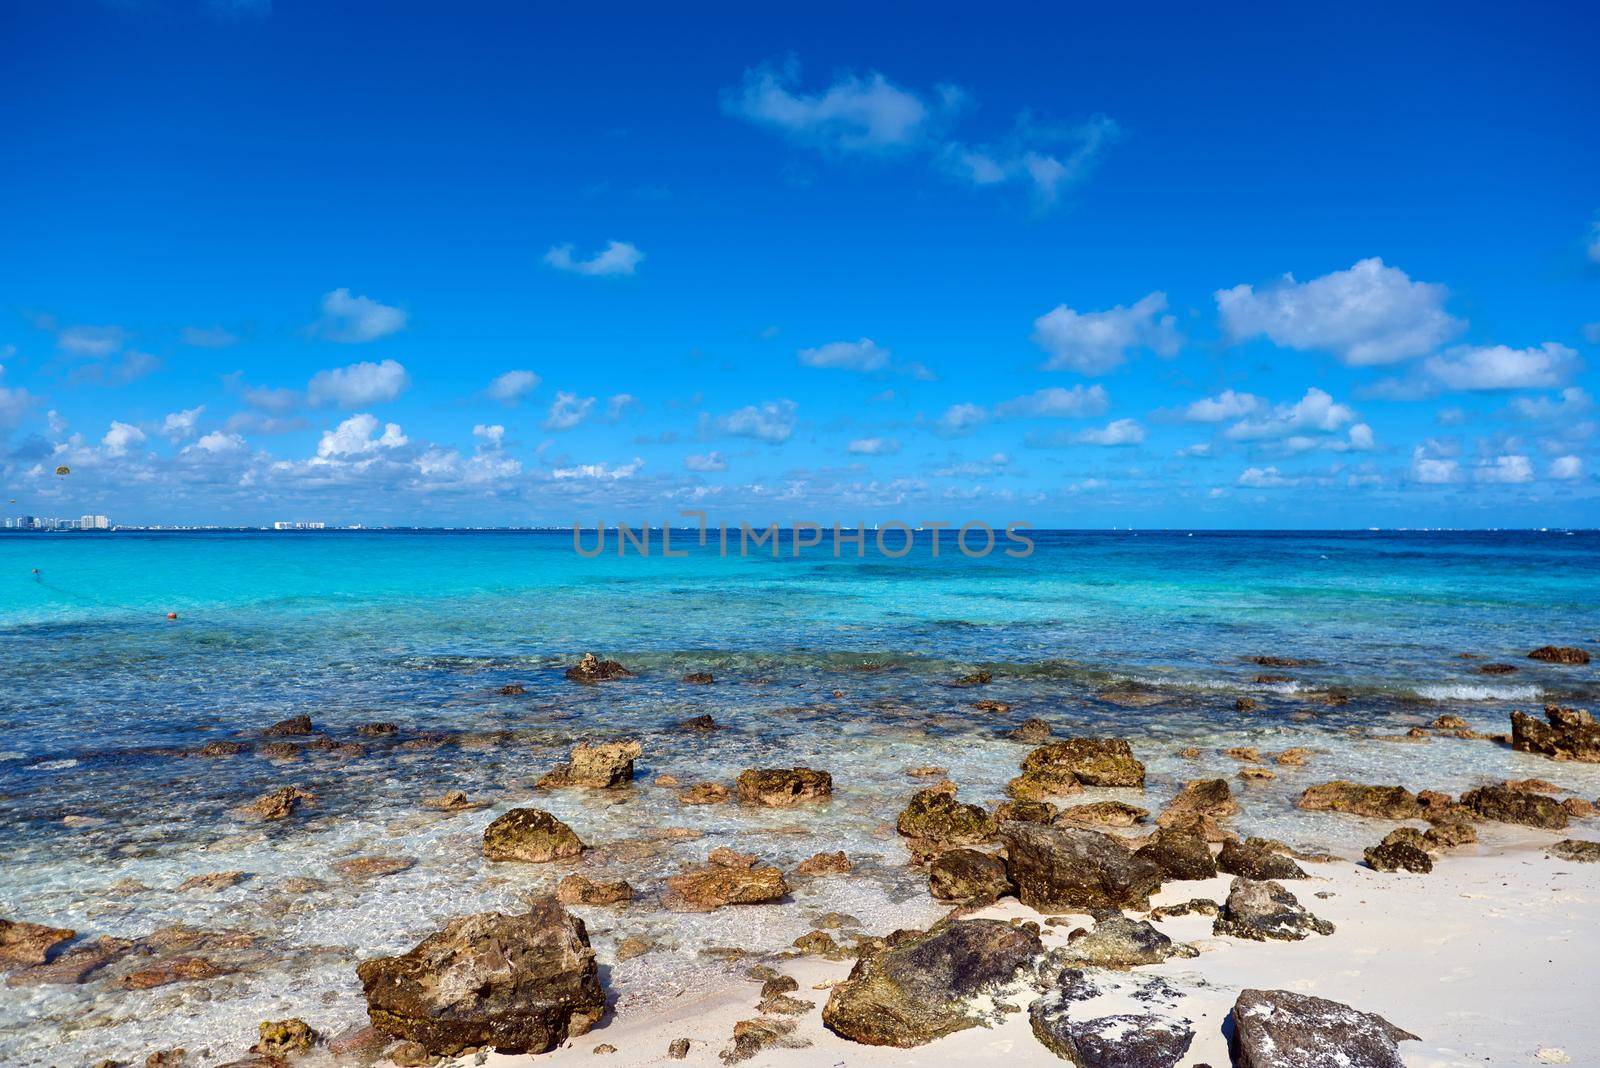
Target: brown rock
[(1249, 754), (1257, 858), (1245, 704), (1033, 731), (1180, 852), (279, 1037), (705, 793), (372, 867), (294, 726), (1560, 654), (577, 890), (173, 970), (699, 678), (1500, 805), (1026, 812), (211, 882), (25, 944), (1293, 758), (968, 876), (512, 689), (679, 1049), (997, 707), (1402, 849), (782, 787), (590, 669), (1576, 849), (1568, 734), (531, 835), (1375, 802), (824, 864), (220, 749), (1103, 814), (279, 751), (715, 885), (278, 805), (1202, 802), (597, 767), (936, 818), (75, 965), (702, 722), (1057, 869), (1086, 761), (454, 801)]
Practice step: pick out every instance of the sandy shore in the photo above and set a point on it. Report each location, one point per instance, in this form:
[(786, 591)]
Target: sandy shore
[(1489, 959)]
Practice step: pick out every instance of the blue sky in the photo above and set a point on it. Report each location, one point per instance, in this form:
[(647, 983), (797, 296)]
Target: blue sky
[(483, 263)]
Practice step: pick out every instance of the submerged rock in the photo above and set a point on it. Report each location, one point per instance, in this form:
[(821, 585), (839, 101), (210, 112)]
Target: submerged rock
[(183, 969), (782, 787), (705, 793), (454, 801), (1265, 911), (728, 879), (1560, 654), (530, 835), (937, 818), (1103, 814), (294, 726), (278, 805), (835, 863), (24, 944), (1180, 852), (702, 722), (515, 984), (1084, 761), (1120, 942), (77, 964), (591, 668), (968, 877), (1257, 858), (220, 749), (1376, 802), (699, 678), (922, 986), (598, 767), (1576, 849), (1033, 731), (372, 867), (210, 882), (1280, 1029), (579, 890), (1057, 869), (1500, 805), (1567, 734), (1126, 1040)]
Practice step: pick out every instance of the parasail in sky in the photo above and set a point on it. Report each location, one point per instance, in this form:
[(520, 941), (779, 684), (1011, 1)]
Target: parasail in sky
[(63, 470)]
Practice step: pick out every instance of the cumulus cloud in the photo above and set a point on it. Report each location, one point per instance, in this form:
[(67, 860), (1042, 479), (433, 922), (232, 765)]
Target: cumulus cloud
[(1118, 432), (567, 411), (1509, 469), (353, 320), (359, 436), (121, 437), (1095, 342), (960, 418), (358, 384), (862, 355), (180, 425), (1573, 402), (1224, 406), (1370, 314), (874, 446), (1432, 470), (600, 472), (618, 257), (711, 461), (1050, 159), (1493, 367), (1316, 411), (218, 443), (772, 421), (1566, 467), (855, 113), (512, 386), (1265, 478), (1079, 402), (491, 434)]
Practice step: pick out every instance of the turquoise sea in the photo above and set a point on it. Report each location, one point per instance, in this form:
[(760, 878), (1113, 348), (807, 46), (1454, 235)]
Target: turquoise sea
[(844, 664)]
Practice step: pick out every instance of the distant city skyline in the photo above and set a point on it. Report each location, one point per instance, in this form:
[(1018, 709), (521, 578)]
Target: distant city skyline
[(567, 267)]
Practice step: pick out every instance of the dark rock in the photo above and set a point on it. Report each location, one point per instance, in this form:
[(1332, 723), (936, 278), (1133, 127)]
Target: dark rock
[(1202, 802), (936, 817), (1033, 731), (376, 730), (279, 751), (294, 726), (1201, 905), (1375, 802), (1128, 1040), (1560, 654), (1120, 942), (1180, 853), (1280, 1029), (515, 984), (1567, 734), (922, 985), (598, 767), (702, 722), (997, 707), (220, 749), (590, 668), (1279, 661), (1577, 849), (512, 689), (1255, 858), (578, 890), (782, 787), (1496, 669), (1265, 911), (1500, 805), (1057, 869), (1245, 704), (1400, 852), (1085, 761), (699, 678), (531, 835), (25, 944), (1026, 812), (454, 801), (968, 876)]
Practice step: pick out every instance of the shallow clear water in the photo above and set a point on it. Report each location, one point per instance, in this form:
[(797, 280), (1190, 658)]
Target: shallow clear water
[(839, 664)]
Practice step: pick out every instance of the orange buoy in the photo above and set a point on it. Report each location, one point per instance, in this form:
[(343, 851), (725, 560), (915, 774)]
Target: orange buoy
[(172, 615)]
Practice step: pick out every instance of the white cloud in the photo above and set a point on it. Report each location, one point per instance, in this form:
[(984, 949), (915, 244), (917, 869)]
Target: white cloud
[(862, 355), (1093, 343), (91, 341), (567, 411), (1574, 401), (1369, 314), (491, 434), (1048, 159), (1507, 469), (1118, 432), (1488, 367), (358, 436), (853, 114), (207, 337), (618, 257), (599, 472), (354, 320), (621, 404), (1224, 406), (1316, 411), (772, 421), (180, 425), (1565, 467), (1055, 402), (1432, 470), (960, 418), (711, 461), (874, 446), (1265, 478), (218, 443), (512, 386), (120, 437), (358, 384), (1361, 438), (994, 465)]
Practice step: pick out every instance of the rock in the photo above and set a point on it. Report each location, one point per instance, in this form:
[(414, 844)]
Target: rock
[(1248, 754), (24, 944), (1181, 853), (410, 1055), (1579, 809), (1257, 773), (167, 1058), (75, 965), (1375, 802), (1496, 669), (821, 944), (294, 726), (376, 730), (1256, 858), (997, 707), (372, 867), (512, 689), (1103, 814), (824, 864), (705, 793), (1279, 661), (782, 787), (718, 884), (1033, 731), (1500, 805), (1119, 942), (923, 984), (1576, 849), (976, 678), (279, 751), (1568, 734), (935, 817), (454, 801), (1245, 704), (751, 1037), (1400, 852), (604, 1048), (1560, 654), (968, 877), (1280, 1029), (285, 1036), (1448, 833), (702, 722), (1132, 695), (1203, 800), (1026, 812), (1196, 905), (1057, 869), (1085, 761), (515, 984), (1127, 1040), (597, 767), (699, 678), (220, 749), (927, 771), (211, 882), (679, 1049), (1293, 758), (531, 835), (1028, 788), (579, 890), (1265, 911), (633, 946), (591, 669), (173, 970), (278, 805)]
